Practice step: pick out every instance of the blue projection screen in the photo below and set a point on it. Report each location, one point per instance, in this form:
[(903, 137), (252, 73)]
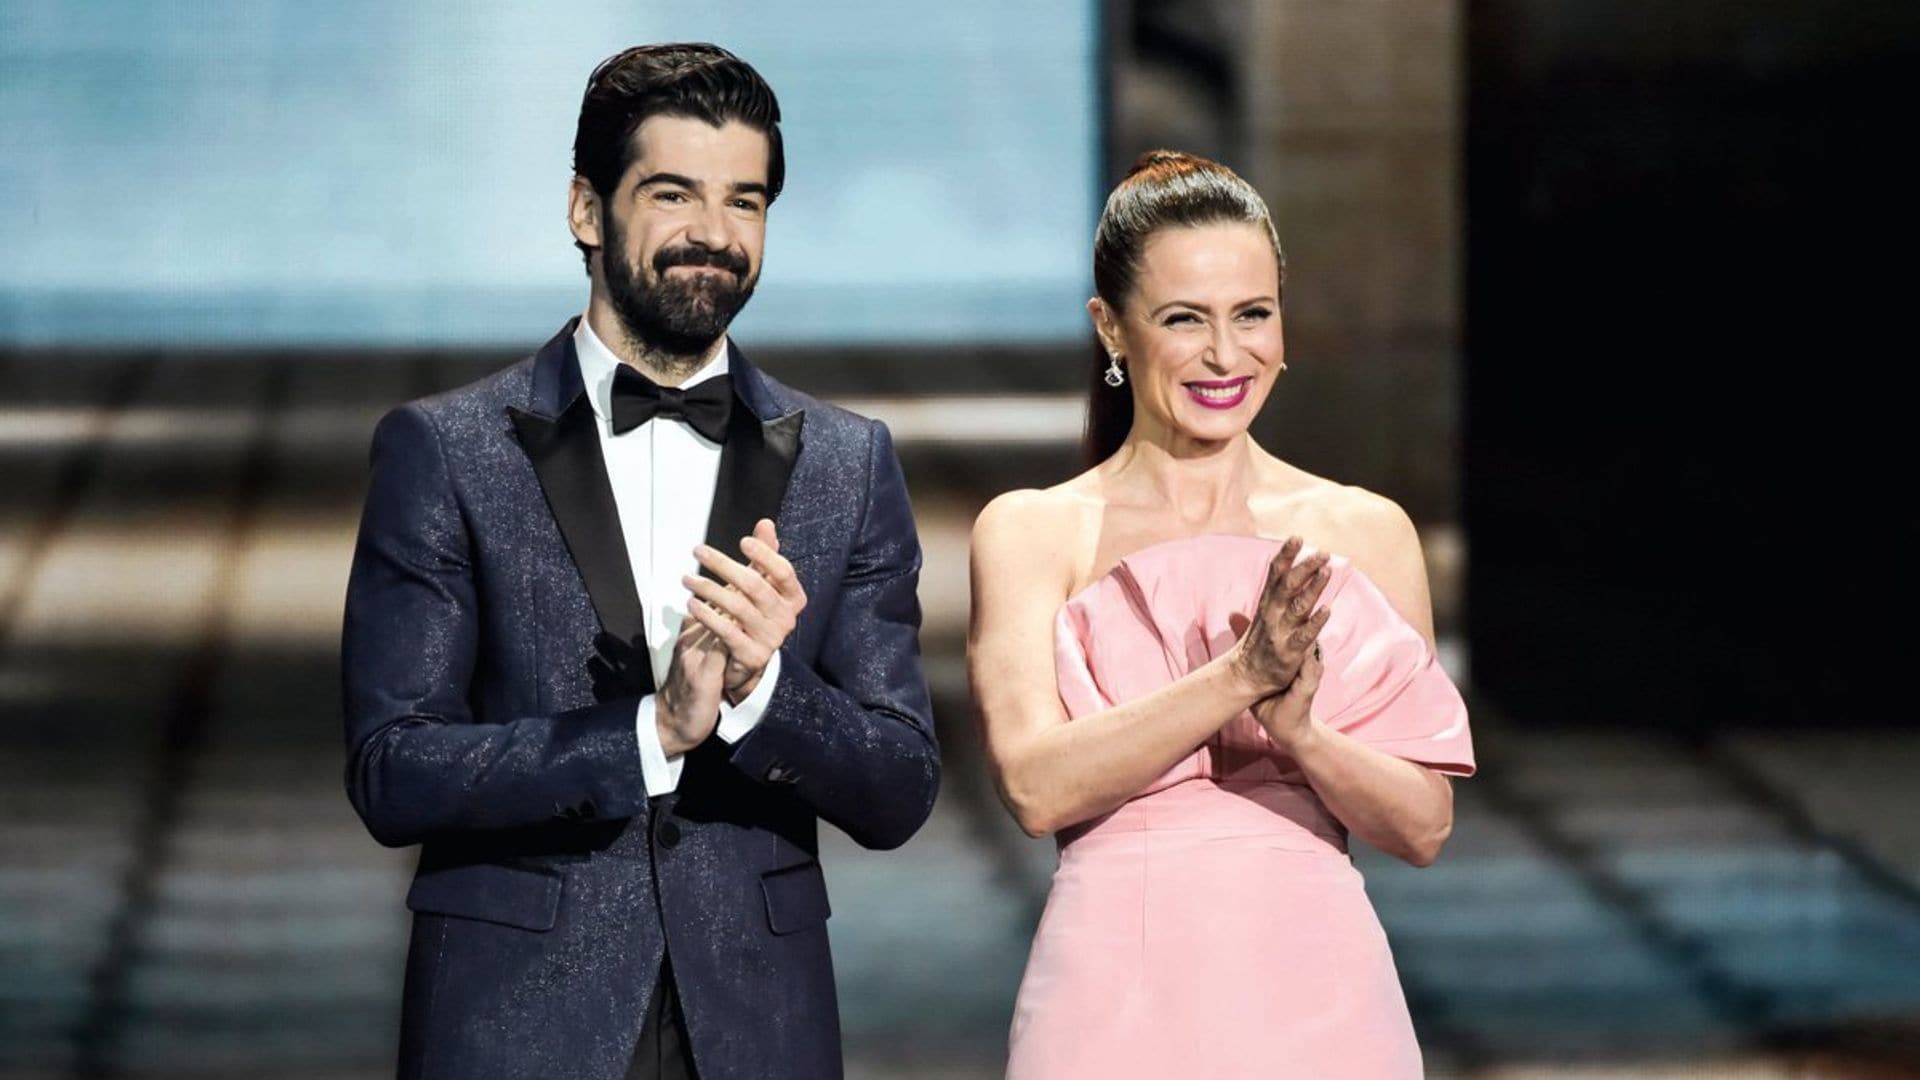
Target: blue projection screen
[(382, 174)]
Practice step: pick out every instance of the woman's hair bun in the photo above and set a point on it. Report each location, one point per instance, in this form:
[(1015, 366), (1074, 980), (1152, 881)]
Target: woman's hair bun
[(1154, 158)]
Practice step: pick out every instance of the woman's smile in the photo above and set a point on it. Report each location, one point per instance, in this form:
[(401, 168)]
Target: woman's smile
[(1219, 393)]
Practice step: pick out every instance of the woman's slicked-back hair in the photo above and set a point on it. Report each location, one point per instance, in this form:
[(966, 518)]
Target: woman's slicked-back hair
[(1165, 189), (697, 81)]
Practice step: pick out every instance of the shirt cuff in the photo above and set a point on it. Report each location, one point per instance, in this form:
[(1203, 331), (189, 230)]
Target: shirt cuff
[(661, 773), (737, 720)]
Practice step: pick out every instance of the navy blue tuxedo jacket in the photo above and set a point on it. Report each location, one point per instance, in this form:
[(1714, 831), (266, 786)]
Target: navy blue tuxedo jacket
[(493, 658)]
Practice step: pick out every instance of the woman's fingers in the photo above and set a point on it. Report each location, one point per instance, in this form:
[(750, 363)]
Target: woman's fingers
[(1303, 570), (1308, 596), (1312, 670), (1305, 636), (1289, 620), (1275, 585), (1290, 549), (1305, 573)]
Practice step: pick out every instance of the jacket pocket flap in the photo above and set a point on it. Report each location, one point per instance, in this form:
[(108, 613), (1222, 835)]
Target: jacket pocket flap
[(796, 897), (508, 895)]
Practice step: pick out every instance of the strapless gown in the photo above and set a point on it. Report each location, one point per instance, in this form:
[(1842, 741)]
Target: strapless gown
[(1214, 925)]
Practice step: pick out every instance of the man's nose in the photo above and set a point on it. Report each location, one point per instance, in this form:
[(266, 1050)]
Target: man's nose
[(710, 228)]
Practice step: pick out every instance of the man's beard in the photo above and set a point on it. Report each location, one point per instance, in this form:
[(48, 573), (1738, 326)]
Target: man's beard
[(675, 319)]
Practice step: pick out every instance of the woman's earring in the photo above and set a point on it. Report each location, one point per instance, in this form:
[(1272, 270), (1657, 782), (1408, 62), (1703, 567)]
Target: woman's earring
[(1115, 376)]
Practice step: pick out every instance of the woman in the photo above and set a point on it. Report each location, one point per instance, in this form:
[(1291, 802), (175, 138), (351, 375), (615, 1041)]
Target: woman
[(1201, 668)]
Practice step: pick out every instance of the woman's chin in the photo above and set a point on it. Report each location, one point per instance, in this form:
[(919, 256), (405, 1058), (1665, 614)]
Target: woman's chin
[(1214, 429)]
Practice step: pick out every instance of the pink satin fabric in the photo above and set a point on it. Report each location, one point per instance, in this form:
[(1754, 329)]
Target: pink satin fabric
[(1213, 925)]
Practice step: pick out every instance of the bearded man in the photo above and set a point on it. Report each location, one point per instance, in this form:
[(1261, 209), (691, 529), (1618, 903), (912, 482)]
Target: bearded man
[(626, 620)]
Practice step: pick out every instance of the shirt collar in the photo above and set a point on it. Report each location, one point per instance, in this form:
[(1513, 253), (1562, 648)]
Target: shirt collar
[(598, 365)]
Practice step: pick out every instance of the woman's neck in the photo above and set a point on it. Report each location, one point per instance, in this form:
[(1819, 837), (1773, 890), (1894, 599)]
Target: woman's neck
[(1202, 483)]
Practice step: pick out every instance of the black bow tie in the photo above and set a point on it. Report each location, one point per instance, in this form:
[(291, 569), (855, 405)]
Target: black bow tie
[(704, 406)]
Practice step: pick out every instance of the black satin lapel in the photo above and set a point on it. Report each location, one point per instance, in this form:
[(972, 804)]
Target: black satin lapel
[(566, 457), (755, 464)]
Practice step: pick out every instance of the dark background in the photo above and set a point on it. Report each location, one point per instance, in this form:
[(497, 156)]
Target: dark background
[(1684, 326)]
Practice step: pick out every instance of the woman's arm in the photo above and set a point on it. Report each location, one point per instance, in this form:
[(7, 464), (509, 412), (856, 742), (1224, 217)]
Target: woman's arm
[(1398, 806), (1052, 773), (1403, 808)]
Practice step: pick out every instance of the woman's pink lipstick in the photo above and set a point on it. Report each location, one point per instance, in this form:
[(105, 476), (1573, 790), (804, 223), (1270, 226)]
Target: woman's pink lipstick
[(1219, 393)]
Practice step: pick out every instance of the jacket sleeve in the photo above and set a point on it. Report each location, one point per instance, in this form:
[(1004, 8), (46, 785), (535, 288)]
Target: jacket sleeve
[(419, 764), (853, 733)]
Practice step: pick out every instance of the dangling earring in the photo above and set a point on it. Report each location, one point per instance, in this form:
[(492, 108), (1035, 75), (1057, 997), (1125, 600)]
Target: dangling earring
[(1115, 376)]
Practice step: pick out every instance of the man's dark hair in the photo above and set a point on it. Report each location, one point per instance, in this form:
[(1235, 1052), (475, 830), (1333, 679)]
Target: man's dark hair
[(696, 80)]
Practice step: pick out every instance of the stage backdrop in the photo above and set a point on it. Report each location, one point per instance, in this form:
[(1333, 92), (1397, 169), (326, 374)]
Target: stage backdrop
[(369, 173)]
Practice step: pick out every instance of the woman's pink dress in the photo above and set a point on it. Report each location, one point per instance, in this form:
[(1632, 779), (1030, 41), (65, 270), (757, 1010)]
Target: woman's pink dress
[(1213, 926)]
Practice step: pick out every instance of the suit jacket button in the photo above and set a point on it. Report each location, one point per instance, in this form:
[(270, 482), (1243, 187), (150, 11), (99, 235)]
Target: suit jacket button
[(668, 833), (776, 774)]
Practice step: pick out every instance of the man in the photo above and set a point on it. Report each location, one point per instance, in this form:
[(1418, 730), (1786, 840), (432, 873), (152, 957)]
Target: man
[(612, 739)]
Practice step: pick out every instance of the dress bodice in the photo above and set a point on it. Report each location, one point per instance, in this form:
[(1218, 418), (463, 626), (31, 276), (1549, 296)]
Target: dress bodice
[(1171, 607)]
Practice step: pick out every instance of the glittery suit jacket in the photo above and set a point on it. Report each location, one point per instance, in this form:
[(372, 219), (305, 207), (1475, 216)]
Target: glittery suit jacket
[(493, 657)]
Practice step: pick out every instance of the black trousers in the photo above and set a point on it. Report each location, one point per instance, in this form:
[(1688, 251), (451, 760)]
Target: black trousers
[(664, 1051)]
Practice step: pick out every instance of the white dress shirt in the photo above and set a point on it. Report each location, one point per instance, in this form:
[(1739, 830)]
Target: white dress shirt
[(663, 475)]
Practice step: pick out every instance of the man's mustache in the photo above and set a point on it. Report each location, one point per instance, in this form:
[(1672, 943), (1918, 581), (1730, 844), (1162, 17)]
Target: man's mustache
[(690, 255)]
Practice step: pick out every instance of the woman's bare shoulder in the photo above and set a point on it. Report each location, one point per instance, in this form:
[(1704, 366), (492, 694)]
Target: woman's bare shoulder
[(1063, 507), (1036, 529), (1374, 530), (1380, 540), (1345, 518), (1367, 527), (1351, 508)]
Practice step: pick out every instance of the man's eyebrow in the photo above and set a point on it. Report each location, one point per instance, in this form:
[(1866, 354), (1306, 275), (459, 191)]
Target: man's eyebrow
[(669, 178), (750, 189)]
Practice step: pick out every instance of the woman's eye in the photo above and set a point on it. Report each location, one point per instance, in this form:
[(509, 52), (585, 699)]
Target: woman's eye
[(1255, 314), (1182, 318)]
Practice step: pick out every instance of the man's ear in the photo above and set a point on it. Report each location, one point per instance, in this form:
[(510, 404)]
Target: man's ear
[(583, 212)]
